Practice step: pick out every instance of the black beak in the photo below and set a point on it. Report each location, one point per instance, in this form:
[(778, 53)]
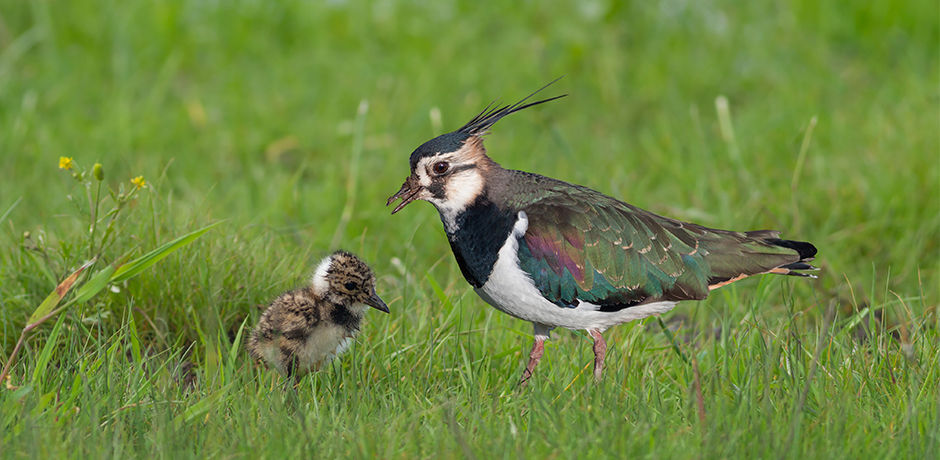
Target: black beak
[(377, 303), (408, 193)]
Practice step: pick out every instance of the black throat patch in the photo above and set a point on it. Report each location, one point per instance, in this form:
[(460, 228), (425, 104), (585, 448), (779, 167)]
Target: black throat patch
[(482, 229), (345, 318)]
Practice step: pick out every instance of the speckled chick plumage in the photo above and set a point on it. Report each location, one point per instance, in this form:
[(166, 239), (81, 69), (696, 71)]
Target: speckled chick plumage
[(304, 329)]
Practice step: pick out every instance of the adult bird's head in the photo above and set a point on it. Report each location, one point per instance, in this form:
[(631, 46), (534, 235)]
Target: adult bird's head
[(450, 170)]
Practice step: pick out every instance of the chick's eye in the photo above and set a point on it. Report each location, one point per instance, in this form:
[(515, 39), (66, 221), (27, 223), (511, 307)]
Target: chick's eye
[(351, 285), (441, 168)]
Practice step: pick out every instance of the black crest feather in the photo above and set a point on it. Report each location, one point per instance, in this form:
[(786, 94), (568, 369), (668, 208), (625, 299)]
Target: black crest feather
[(481, 123)]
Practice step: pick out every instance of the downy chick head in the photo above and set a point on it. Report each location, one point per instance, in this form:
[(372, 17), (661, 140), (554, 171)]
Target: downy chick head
[(344, 279), (449, 171)]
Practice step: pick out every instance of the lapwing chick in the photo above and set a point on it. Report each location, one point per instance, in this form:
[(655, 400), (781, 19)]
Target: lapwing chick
[(306, 328), (562, 255)]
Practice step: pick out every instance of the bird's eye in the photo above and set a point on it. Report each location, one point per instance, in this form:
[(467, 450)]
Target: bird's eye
[(351, 285), (441, 168)]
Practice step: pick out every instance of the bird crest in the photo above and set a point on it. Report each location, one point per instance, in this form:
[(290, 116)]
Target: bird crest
[(481, 124), (475, 128)]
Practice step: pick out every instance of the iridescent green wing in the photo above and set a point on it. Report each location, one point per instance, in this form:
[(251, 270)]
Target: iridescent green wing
[(583, 245)]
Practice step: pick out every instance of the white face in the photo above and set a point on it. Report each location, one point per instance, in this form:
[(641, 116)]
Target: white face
[(450, 181)]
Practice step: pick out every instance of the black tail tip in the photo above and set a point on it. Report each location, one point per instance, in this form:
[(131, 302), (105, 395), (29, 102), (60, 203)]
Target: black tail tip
[(806, 250), (798, 266)]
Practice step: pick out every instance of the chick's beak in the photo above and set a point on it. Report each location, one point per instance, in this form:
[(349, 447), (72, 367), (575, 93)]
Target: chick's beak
[(377, 303), (408, 193)]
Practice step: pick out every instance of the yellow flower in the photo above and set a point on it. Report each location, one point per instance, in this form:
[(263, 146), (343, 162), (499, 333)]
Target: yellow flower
[(65, 163), (139, 182)]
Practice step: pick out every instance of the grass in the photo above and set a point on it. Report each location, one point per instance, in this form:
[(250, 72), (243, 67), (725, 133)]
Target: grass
[(292, 122)]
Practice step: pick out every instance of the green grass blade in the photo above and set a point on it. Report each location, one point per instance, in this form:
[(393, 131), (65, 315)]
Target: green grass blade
[(439, 291), (47, 305), (12, 207), (134, 337), (237, 344), (201, 407), (56, 295), (134, 267), (93, 286), (672, 340), (46, 354)]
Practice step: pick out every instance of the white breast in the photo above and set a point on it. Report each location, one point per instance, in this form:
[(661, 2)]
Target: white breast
[(511, 291), (324, 345)]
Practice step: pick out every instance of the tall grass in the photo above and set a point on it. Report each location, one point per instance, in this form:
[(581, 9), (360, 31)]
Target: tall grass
[(815, 119)]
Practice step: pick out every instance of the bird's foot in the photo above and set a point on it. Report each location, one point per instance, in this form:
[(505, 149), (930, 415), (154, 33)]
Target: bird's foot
[(600, 351), (538, 349)]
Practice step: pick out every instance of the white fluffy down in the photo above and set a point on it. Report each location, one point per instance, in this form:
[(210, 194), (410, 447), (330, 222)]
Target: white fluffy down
[(319, 281)]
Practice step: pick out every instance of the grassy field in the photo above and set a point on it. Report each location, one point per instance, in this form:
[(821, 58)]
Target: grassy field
[(291, 124)]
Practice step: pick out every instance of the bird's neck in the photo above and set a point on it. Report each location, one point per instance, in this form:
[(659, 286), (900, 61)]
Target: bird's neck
[(476, 235), (347, 317)]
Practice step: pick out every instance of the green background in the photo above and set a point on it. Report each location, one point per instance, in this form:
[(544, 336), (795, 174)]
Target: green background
[(277, 116)]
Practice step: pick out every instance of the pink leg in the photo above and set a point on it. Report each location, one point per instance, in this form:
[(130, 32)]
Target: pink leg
[(537, 350), (540, 334), (600, 349)]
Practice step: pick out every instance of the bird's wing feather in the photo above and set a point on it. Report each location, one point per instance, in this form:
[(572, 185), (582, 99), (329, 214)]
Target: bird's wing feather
[(583, 245), (293, 314)]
